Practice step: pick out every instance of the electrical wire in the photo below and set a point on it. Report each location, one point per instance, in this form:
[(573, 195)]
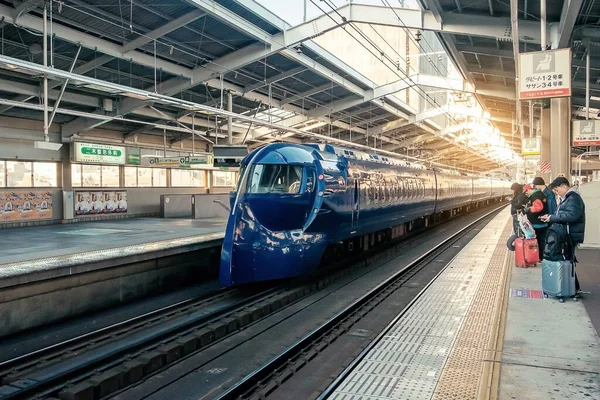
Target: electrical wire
[(406, 77), (427, 97)]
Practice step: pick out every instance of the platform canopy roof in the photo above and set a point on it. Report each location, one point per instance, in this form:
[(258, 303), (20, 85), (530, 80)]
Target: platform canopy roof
[(168, 67)]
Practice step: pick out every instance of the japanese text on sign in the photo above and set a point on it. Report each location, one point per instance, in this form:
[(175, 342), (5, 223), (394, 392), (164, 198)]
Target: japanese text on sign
[(98, 153), (586, 133), (545, 74)]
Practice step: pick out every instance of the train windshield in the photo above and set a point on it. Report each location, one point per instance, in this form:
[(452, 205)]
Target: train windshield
[(278, 178)]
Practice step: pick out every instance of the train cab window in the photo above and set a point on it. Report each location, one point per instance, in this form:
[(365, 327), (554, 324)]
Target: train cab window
[(268, 178)]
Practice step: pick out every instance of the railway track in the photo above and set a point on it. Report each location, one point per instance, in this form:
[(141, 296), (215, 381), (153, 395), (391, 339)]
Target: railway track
[(269, 377), (47, 370), (109, 360)]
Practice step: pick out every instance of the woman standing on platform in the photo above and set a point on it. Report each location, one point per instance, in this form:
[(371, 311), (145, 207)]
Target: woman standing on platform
[(536, 207), (517, 203)]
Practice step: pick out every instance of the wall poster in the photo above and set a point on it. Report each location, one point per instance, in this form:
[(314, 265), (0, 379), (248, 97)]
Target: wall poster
[(25, 205), (96, 202)]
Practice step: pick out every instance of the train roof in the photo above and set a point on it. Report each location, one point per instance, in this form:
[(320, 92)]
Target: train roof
[(330, 152), (360, 155)]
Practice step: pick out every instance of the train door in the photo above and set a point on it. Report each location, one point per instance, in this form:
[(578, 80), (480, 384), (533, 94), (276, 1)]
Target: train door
[(355, 204)]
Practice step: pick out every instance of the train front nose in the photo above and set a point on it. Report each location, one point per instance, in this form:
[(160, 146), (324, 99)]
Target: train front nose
[(265, 237)]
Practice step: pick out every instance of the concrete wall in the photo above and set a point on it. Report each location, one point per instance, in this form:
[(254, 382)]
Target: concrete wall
[(202, 206), (205, 206), (29, 305)]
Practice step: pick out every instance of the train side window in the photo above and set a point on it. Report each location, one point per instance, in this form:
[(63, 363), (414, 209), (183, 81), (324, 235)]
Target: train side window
[(403, 189), (310, 180)]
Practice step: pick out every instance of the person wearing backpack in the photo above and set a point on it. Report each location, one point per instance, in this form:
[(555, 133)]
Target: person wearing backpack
[(570, 220), (548, 192), (517, 203), (537, 205)]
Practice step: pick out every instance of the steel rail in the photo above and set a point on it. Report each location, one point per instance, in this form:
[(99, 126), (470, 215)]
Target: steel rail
[(252, 380), (39, 353), (113, 356)]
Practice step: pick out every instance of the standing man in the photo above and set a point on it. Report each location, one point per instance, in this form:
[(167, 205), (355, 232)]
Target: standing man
[(550, 196), (570, 212)]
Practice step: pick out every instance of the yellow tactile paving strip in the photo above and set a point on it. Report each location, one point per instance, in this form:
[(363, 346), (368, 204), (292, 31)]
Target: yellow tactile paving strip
[(469, 372)]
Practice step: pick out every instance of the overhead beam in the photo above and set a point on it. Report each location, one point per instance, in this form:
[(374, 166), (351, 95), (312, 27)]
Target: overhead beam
[(485, 51), (273, 79), (91, 42), (506, 93), (561, 34), (167, 28), (460, 24), (474, 69), (26, 7), (306, 93), (388, 90)]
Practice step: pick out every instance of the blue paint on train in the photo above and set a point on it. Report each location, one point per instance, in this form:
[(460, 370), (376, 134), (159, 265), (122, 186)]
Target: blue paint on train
[(292, 201)]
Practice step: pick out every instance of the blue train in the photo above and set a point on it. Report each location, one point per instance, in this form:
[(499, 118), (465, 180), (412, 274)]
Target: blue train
[(292, 202)]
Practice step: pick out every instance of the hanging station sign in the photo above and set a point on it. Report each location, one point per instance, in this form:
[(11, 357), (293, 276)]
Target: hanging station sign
[(531, 146), (545, 74), (200, 161), (98, 153), (586, 133)]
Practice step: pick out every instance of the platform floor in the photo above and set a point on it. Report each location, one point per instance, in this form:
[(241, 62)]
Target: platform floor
[(40, 242), (474, 335)]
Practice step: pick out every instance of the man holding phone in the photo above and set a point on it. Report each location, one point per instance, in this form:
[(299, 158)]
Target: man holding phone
[(570, 212)]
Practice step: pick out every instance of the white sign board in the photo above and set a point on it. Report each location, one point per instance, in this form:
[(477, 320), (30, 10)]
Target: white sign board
[(545, 74), (531, 146), (183, 161), (98, 153), (586, 133)]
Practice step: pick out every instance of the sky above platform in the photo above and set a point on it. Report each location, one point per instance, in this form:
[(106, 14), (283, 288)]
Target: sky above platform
[(292, 11)]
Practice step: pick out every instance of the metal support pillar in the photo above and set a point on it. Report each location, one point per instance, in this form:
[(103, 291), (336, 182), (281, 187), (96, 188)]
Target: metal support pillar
[(64, 87), (229, 119), (545, 141), (545, 122), (45, 49), (587, 80), (304, 19), (543, 24), (560, 144)]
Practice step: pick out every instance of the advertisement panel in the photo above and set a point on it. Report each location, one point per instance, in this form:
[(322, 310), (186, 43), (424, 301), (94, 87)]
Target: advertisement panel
[(545, 74), (25, 205), (100, 202), (98, 153), (586, 133)]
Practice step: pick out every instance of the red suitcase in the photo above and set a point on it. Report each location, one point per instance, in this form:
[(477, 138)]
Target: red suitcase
[(526, 252)]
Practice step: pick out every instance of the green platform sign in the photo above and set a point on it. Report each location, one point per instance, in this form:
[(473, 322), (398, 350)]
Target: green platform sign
[(98, 153)]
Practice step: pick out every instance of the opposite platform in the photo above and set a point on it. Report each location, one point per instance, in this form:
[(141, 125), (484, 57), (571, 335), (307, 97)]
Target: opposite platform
[(37, 253), (51, 273)]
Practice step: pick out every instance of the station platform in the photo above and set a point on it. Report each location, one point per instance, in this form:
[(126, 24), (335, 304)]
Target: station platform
[(52, 272), (33, 250), (483, 330)]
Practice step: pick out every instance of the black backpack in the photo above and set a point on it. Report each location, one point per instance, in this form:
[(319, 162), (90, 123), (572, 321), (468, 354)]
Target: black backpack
[(559, 246)]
